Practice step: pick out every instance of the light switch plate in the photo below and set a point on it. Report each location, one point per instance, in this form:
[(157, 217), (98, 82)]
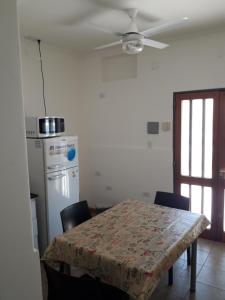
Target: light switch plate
[(165, 126)]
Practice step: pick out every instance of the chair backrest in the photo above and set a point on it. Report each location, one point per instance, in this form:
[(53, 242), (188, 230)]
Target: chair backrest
[(172, 200), (75, 214)]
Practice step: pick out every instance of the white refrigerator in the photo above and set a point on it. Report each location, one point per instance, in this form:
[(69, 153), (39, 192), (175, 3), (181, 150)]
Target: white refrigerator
[(54, 177)]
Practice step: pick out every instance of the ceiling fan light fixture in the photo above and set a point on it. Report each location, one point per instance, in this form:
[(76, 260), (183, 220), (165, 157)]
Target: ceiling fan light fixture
[(133, 47), (133, 43)]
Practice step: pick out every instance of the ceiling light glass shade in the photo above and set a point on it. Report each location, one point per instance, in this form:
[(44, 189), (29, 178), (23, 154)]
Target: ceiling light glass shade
[(133, 46)]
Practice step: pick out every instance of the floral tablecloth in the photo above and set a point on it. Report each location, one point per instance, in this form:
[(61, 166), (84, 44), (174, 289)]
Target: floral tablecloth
[(129, 246)]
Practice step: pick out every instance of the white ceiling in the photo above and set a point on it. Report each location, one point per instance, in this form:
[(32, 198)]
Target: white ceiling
[(68, 22)]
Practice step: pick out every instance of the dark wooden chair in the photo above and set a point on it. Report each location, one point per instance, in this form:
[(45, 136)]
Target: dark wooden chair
[(72, 216), (75, 214), (174, 201), (64, 287)]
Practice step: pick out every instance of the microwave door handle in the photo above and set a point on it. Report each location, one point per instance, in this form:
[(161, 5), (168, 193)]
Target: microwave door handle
[(55, 177)]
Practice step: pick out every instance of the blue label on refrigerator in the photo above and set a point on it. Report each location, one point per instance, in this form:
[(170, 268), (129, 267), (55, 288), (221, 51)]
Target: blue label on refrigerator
[(71, 154)]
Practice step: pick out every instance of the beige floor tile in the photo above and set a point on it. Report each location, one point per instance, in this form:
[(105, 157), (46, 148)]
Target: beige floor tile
[(205, 245), (165, 295), (184, 255), (215, 263), (210, 277), (177, 291), (217, 245), (214, 278), (218, 250), (201, 256), (185, 271), (180, 263), (205, 292)]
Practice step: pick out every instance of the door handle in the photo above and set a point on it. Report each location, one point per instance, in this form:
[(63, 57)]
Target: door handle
[(222, 173), (56, 177)]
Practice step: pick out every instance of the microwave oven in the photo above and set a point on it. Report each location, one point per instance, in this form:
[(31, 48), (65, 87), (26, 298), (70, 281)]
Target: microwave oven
[(43, 127)]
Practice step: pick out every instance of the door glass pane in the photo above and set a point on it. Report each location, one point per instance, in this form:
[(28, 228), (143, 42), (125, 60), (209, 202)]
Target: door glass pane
[(185, 120), (196, 134), (208, 138), (184, 190), (196, 199), (207, 204)]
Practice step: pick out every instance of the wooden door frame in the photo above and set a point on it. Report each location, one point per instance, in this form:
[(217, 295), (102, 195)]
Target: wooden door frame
[(221, 181), (176, 156)]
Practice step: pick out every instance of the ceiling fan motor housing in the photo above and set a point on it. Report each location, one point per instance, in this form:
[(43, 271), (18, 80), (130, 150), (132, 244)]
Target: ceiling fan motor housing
[(132, 42)]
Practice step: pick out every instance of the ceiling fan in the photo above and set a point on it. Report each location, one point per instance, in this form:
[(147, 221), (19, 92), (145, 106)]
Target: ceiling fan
[(133, 41)]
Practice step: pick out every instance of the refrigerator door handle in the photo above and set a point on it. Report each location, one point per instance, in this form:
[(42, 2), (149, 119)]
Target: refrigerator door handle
[(55, 167), (56, 177)]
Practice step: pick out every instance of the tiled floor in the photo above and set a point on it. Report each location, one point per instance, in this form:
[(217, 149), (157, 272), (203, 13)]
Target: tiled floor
[(210, 275)]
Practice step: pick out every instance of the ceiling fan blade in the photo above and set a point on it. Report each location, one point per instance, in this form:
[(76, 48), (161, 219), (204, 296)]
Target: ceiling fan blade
[(146, 17), (155, 44), (106, 30), (108, 45), (163, 27)]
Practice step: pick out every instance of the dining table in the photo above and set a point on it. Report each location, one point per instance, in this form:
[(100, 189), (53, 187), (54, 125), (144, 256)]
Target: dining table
[(131, 245)]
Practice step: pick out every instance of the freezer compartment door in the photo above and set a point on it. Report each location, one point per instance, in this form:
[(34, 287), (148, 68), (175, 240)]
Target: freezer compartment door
[(62, 190), (60, 153)]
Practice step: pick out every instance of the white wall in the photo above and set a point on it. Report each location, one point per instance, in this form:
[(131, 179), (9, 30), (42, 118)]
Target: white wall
[(63, 93), (110, 117), (125, 161), (20, 270)]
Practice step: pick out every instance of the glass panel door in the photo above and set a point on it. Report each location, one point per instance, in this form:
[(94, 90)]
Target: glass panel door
[(196, 153)]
